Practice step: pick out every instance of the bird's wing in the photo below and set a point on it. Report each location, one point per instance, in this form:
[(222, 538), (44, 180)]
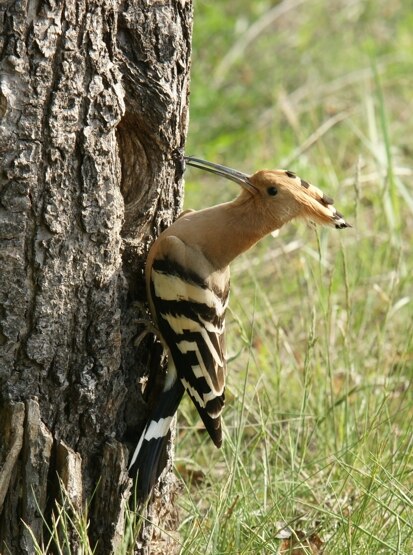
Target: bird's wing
[(190, 314)]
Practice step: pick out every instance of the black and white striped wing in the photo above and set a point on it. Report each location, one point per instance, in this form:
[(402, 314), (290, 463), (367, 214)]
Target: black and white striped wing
[(190, 314)]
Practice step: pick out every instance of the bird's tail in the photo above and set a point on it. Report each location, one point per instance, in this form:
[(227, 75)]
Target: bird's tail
[(149, 457)]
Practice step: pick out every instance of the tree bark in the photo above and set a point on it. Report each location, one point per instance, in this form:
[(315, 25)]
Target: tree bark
[(93, 116)]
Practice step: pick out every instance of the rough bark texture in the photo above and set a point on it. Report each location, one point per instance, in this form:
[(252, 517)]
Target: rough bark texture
[(93, 114)]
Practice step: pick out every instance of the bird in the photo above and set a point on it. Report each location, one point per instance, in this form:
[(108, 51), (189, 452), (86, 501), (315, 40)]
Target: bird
[(188, 284)]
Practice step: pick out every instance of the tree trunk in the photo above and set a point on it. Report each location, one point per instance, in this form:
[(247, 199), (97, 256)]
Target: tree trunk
[(93, 115)]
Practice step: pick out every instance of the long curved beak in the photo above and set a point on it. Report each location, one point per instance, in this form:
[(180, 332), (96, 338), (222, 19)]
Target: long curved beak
[(241, 178)]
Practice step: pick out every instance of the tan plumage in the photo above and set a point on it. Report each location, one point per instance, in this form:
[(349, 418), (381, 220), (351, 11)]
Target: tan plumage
[(187, 276)]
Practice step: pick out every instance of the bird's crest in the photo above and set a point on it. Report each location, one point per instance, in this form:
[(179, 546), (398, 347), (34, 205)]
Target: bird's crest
[(321, 211)]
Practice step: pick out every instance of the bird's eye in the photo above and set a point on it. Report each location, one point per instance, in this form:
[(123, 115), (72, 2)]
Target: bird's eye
[(272, 191)]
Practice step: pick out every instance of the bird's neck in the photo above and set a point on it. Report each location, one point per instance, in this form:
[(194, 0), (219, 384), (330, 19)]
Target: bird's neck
[(233, 229)]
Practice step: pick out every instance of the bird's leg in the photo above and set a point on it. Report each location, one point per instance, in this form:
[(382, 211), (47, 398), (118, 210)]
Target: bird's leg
[(148, 328)]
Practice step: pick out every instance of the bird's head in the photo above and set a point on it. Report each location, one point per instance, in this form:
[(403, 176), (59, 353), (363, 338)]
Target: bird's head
[(281, 194)]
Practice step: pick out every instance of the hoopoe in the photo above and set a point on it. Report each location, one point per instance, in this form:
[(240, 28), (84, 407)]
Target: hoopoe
[(187, 278)]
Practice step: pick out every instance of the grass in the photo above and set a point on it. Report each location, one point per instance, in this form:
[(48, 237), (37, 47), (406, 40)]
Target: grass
[(319, 407), (67, 532)]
